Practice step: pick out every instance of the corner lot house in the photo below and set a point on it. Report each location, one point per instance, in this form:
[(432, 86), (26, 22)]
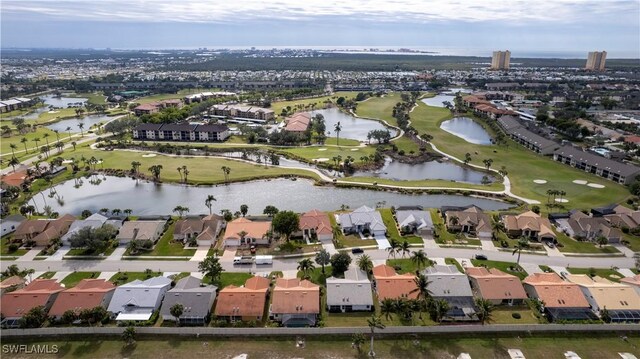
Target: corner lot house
[(197, 301), (621, 301), (40, 292), (12, 283), (141, 231), (94, 221), (449, 284), (362, 221), (415, 220), (204, 230), (10, 223), (88, 294), (389, 284), (316, 224), (529, 225), (137, 300), (351, 293), (243, 303), (295, 302), (496, 286), (471, 220), (243, 231), (562, 300)]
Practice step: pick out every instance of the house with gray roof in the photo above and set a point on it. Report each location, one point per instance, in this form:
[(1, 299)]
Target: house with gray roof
[(351, 293), (138, 300), (601, 166), (363, 219), (449, 284), (519, 133), (195, 298), (141, 231), (9, 224), (94, 221), (415, 221)]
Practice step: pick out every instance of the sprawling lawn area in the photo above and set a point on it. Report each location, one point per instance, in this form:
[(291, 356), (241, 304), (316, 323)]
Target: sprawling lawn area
[(74, 278), (126, 277), (503, 266), (202, 170), (426, 183), (96, 98), (407, 145), (404, 347), (318, 101), (570, 245), (328, 152), (600, 272), (522, 165), (379, 107), (392, 228)]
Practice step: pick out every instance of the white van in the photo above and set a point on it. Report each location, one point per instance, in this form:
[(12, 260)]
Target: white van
[(243, 260), (264, 259)]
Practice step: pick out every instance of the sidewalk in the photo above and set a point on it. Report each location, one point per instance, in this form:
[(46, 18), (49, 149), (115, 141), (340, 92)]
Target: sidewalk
[(625, 250), (30, 255), (59, 254)]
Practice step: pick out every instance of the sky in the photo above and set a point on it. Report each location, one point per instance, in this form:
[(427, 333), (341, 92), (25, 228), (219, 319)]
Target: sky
[(567, 28)]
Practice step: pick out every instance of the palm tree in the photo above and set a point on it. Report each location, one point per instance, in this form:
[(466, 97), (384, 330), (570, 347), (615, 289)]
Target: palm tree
[(393, 247), (116, 211), (180, 210), (180, 172), (68, 129), (155, 170), (57, 135), (73, 143), (226, 170), (487, 162), (305, 266), (13, 146), (209, 202), (129, 335), (36, 140), (522, 244), (387, 308), (24, 142), (422, 287), (46, 135), (467, 158), (176, 310), (405, 248), (374, 323), (13, 162), (135, 166), (127, 211), (323, 258), (357, 339), (454, 220), (365, 263), (419, 258), (59, 146), (81, 126), (185, 172), (337, 128), (484, 310)]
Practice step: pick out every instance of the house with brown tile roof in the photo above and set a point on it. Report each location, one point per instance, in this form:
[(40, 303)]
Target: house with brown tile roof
[(55, 230), (496, 286), (40, 292), (295, 302), (316, 224), (529, 225), (298, 123), (587, 227), (621, 301), (255, 232), (243, 303), (471, 220), (562, 300), (141, 231), (29, 229), (389, 284), (87, 294), (630, 219), (204, 229), (11, 284), (634, 282)]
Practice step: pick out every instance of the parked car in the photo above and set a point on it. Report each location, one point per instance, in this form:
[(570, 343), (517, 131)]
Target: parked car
[(357, 251), (481, 257), (243, 260), (551, 245)]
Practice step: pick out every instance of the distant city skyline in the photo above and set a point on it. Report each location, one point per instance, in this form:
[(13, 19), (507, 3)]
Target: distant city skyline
[(563, 28)]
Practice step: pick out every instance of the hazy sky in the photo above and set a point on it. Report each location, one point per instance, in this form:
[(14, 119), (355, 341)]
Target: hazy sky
[(567, 26)]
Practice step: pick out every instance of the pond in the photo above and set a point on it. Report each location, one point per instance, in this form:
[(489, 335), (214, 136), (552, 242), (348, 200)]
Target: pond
[(63, 102), (88, 121), (438, 100), (352, 127), (146, 198), (283, 161), (427, 170), (467, 129)]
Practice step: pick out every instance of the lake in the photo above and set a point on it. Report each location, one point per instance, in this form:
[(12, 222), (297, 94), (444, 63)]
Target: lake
[(446, 170), (146, 198), (88, 121), (438, 100), (352, 127), (467, 129), (63, 102)]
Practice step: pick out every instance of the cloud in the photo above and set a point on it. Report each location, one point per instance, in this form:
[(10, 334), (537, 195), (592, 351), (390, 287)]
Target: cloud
[(224, 11)]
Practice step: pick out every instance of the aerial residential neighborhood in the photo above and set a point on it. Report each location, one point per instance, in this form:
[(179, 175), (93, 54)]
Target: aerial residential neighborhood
[(428, 179)]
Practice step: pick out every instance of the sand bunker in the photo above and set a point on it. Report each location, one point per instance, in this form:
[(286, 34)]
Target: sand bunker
[(321, 159), (67, 161), (595, 185), (562, 200), (354, 149), (322, 149), (539, 181), (579, 181), (149, 155)]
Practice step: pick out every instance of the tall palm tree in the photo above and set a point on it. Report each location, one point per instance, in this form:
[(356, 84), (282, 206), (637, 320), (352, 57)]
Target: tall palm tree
[(135, 166), (226, 170), (393, 247), (422, 287), (523, 243), (419, 258), (81, 126), (13, 162), (13, 146), (484, 310), (365, 263), (180, 172), (305, 266), (185, 173), (57, 135), (209, 202), (68, 129), (46, 138), (337, 128), (374, 323), (36, 140), (405, 248), (24, 142)]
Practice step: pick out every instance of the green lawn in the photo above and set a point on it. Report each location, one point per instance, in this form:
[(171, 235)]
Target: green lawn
[(495, 186), (443, 236), (406, 265), (407, 145), (379, 107), (600, 272), (522, 165), (452, 261), (126, 277), (4, 247), (166, 246), (74, 278), (570, 245), (96, 98), (47, 275), (503, 266), (503, 315), (331, 141), (316, 275), (392, 228), (318, 101), (228, 278), (329, 152), (405, 347), (351, 240)]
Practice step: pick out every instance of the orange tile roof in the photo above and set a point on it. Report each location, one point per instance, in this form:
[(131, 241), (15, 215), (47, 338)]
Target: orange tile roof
[(37, 293), (15, 178), (635, 280), (253, 229), (495, 284), (316, 220), (88, 294), (298, 122), (247, 301), (389, 284), (555, 292), (295, 296)]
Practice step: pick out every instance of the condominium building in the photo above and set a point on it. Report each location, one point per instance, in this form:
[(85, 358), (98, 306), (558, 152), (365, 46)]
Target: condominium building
[(501, 60), (596, 60)]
